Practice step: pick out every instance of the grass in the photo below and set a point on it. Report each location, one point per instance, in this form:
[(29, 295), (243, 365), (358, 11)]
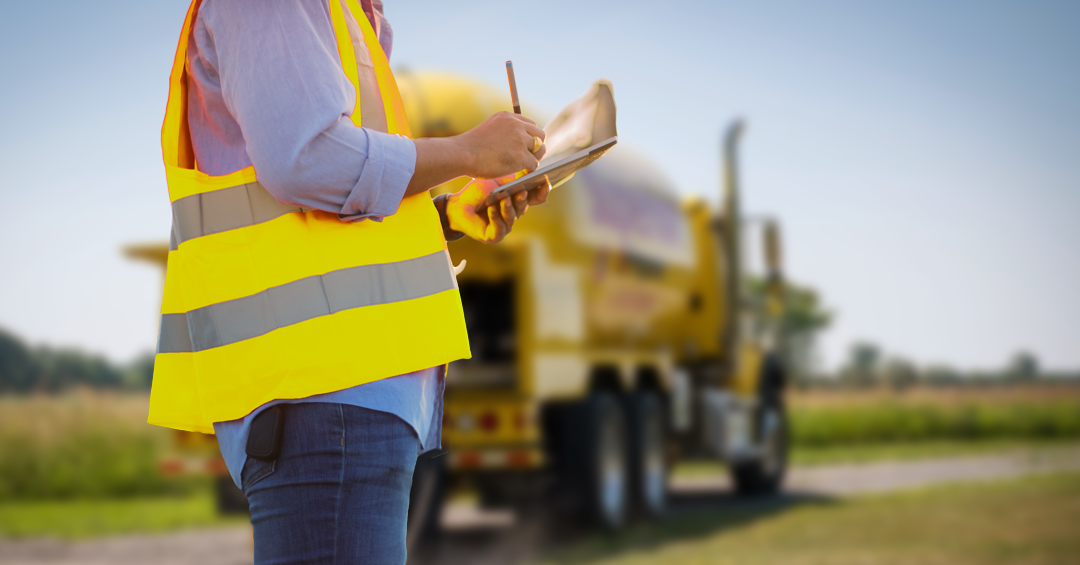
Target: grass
[(899, 418), (1029, 521), (81, 445), (841, 454), (97, 444), (77, 445), (989, 395), (75, 519), (830, 455)]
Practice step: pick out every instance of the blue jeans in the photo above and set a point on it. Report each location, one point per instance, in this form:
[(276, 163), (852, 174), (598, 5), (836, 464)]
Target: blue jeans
[(339, 491)]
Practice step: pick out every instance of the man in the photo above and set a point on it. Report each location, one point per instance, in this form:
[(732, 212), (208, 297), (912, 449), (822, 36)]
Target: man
[(308, 273)]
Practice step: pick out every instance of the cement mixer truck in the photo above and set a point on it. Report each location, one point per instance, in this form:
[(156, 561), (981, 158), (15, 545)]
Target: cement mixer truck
[(612, 334)]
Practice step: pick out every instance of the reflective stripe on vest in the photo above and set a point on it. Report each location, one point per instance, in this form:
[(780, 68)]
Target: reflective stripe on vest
[(265, 300), (223, 210), (320, 295)]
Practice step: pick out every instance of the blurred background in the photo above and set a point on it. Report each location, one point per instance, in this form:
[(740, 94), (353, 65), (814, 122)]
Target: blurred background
[(832, 318)]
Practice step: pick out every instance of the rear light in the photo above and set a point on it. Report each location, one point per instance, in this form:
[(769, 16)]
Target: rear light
[(489, 421), (193, 466), (171, 467), (216, 466), (468, 459), (518, 459)]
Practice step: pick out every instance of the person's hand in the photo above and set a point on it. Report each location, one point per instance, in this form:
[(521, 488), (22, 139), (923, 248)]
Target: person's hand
[(503, 145), (492, 224)]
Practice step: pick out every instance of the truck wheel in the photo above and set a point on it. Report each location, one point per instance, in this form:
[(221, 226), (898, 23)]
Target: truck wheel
[(425, 500), (604, 460), (765, 474), (648, 457)]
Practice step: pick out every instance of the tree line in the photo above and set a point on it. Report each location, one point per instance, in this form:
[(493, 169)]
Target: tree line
[(868, 365), (25, 369)]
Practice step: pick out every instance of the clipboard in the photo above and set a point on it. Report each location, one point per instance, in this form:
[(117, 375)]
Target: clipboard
[(556, 173)]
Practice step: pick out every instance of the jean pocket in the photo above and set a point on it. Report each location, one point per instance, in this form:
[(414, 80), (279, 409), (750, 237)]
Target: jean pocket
[(255, 471)]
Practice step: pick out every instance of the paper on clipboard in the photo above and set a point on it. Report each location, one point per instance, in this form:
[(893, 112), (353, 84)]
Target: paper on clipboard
[(586, 123)]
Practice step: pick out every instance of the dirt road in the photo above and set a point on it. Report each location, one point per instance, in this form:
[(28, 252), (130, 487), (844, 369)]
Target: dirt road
[(870, 478), (224, 546), (476, 537)]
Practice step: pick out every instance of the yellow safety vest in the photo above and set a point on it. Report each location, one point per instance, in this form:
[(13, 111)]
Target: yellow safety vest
[(265, 301)]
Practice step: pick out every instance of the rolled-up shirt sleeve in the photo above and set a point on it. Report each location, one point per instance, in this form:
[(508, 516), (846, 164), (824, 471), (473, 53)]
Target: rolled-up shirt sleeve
[(389, 167), (280, 78)]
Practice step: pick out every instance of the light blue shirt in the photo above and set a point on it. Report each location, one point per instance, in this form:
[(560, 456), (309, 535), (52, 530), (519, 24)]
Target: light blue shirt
[(414, 397), (266, 89)]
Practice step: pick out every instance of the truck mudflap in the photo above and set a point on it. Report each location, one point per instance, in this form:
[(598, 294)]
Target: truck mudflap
[(729, 425)]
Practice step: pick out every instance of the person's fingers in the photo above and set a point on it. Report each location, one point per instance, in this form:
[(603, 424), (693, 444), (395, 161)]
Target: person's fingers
[(508, 212), (490, 227), (535, 131), (539, 194), (529, 162), (521, 203), (523, 118), (496, 229), (497, 152)]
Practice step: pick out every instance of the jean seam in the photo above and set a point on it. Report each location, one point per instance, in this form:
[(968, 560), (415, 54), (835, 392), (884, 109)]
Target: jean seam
[(341, 485), (254, 480)]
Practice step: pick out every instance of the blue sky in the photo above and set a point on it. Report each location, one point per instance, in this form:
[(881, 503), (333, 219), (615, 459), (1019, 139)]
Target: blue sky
[(924, 157)]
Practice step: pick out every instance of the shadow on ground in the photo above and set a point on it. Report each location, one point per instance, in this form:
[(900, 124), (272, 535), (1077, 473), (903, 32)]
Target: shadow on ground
[(541, 535)]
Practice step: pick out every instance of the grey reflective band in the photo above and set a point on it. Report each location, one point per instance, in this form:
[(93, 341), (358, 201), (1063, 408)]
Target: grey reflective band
[(173, 336), (223, 210), (320, 295)]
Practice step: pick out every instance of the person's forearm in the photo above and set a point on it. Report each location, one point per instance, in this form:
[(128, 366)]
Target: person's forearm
[(501, 145), (437, 161)]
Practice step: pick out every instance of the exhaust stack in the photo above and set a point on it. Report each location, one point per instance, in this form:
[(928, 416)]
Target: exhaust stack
[(731, 217)]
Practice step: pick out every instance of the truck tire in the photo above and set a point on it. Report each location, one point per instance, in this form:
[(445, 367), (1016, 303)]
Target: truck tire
[(602, 462), (425, 499), (764, 475), (648, 455)]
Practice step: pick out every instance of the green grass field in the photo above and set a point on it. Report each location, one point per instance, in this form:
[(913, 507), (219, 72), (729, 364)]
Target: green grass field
[(80, 445), (1034, 413), (75, 519), (900, 451), (1031, 521), (928, 449), (97, 444)]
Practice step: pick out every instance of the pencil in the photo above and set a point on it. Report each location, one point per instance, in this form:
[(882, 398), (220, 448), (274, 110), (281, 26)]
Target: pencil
[(513, 87)]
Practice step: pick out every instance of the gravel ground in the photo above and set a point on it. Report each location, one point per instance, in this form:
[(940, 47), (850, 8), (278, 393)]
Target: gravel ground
[(223, 546), (870, 478), (476, 537)]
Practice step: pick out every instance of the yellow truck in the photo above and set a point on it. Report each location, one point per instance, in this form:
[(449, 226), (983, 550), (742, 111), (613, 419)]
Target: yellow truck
[(612, 334)]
